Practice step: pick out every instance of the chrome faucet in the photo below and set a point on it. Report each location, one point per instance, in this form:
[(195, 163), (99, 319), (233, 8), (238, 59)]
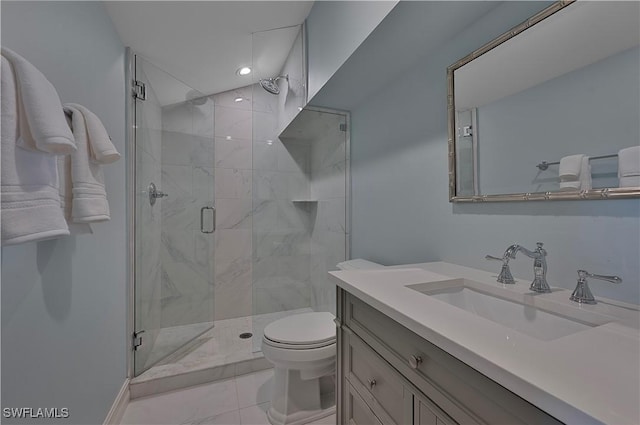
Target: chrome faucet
[(582, 294), (539, 255), (505, 274)]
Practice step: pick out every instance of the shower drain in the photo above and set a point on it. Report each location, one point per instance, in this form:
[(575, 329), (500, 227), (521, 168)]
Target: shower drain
[(246, 335)]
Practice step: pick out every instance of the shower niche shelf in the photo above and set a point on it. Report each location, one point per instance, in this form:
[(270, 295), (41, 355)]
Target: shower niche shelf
[(308, 205)]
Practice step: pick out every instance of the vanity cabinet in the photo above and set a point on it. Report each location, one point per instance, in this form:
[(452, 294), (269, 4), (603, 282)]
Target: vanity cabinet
[(389, 375)]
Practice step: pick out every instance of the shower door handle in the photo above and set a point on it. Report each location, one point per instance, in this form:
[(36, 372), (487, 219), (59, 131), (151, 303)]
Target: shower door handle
[(213, 219)]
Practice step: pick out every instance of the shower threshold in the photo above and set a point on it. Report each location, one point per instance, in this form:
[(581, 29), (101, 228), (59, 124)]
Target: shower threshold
[(219, 353)]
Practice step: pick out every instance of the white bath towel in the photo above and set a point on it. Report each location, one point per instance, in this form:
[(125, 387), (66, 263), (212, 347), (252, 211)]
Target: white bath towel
[(40, 117), (29, 201), (83, 194), (66, 193), (570, 179), (629, 162), (101, 149)]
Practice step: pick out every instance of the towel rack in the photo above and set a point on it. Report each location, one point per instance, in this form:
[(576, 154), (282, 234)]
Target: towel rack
[(544, 164)]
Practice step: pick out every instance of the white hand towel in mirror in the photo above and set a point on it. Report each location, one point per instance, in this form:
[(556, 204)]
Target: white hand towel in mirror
[(629, 162), (42, 124), (585, 174), (570, 185), (570, 167), (629, 181)]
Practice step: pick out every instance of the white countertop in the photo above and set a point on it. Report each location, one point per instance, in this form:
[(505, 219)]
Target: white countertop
[(592, 376)]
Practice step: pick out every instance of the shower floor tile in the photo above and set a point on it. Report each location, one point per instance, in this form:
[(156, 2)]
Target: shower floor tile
[(219, 353)]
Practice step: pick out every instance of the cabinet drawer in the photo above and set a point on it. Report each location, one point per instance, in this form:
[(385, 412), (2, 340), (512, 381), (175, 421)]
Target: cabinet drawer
[(465, 394), (357, 411), (379, 385)]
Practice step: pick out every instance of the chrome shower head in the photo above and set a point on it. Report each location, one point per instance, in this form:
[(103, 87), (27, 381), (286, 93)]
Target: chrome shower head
[(271, 84), (195, 97)]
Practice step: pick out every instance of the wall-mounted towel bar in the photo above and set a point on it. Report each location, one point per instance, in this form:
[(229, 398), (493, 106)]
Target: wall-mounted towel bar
[(544, 164)]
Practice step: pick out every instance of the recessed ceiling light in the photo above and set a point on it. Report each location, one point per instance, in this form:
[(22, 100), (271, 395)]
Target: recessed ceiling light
[(245, 70), (238, 99), (269, 142), (228, 137)]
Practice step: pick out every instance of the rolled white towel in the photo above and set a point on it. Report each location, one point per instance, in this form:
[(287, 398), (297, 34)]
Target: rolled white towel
[(629, 162), (570, 167), (629, 181)]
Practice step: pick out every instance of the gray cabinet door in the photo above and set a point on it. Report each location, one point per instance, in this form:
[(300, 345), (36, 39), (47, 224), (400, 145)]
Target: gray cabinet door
[(356, 410), (380, 386), (423, 415), (425, 412)]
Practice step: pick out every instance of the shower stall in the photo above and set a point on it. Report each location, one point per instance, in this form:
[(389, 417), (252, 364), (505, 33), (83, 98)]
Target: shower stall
[(248, 214), (174, 214)]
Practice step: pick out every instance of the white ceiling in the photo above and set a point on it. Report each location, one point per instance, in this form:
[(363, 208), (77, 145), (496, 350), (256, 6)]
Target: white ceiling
[(203, 43)]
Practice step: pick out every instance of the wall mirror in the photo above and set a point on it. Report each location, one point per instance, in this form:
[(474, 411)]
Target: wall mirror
[(565, 82)]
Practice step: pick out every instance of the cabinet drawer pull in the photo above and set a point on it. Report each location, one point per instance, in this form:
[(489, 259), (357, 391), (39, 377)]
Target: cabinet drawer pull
[(414, 361), (372, 383)]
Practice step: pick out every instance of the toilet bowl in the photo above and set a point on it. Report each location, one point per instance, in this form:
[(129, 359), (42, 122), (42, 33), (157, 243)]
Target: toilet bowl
[(302, 349)]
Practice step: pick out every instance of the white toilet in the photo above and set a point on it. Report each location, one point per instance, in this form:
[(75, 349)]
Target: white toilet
[(302, 349)]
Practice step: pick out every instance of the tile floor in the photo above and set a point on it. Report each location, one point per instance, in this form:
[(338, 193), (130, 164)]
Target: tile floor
[(220, 346), (242, 400)]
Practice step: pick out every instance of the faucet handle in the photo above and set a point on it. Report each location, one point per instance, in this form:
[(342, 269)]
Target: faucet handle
[(491, 257), (505, 274), (582, 294), (583, 274)]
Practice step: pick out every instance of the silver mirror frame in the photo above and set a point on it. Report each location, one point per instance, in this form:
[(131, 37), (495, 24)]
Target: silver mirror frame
[(593, 194)]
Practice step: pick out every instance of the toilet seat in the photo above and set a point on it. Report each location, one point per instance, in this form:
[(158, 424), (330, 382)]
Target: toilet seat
[(277, 344), (304, 331)]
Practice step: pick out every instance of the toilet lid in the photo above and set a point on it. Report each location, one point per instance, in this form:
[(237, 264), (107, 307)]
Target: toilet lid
[(302, 329)]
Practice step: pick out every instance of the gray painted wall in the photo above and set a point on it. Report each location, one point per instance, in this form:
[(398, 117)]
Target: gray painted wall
[(400, 208), (335, 29), (64, 301)]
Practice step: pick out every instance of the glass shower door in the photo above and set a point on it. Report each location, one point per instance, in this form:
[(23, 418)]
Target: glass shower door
[(174, 215)]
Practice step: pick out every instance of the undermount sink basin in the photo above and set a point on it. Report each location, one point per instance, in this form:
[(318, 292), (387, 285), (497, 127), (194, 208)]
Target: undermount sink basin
[(507, 308)]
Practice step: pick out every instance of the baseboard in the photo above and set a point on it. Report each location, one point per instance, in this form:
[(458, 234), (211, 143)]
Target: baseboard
[(114, 417)]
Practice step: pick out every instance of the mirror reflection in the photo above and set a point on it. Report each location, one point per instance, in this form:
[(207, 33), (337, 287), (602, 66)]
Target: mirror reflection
[(553, 109)]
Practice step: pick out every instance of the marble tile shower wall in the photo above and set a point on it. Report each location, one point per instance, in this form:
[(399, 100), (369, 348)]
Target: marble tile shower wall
[(328, 187), (281, 223), (188, 178), (233, 176), (272, 248)]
